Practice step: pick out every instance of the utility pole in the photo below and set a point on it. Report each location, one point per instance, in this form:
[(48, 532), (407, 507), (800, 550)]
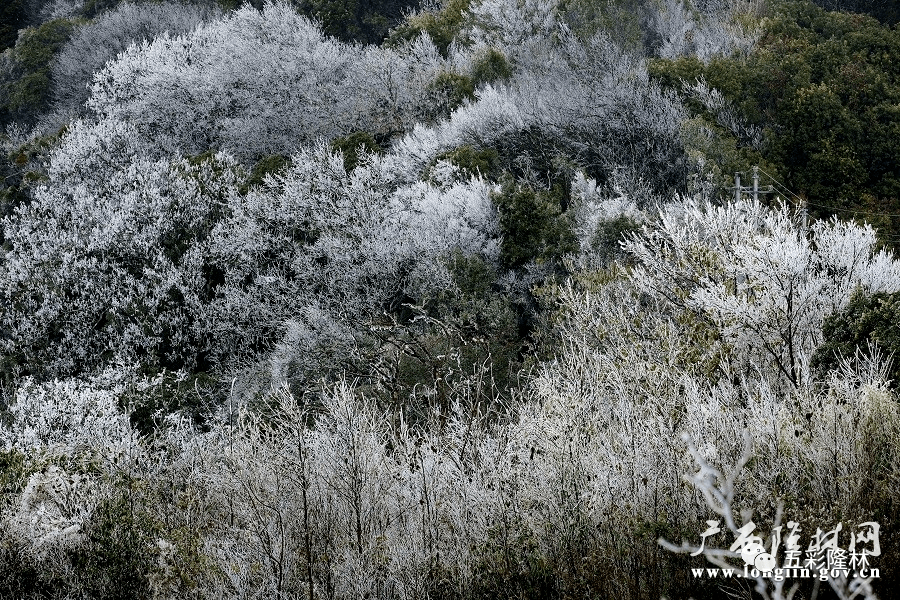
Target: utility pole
[(755, 183), (804, 211), (755, 189)]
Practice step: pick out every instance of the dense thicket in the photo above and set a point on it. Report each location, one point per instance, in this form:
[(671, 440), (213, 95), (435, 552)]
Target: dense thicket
[(12, 18), (822, 89), (884, 10), (306, 299)]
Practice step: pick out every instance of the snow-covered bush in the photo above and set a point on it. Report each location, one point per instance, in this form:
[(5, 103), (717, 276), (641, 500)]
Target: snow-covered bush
[(703, 28), (68, 418), (72, 438), (261, 83), (332, 253), (167, 263), (105, 261), (93, 45), (593, 104), (757, 278)]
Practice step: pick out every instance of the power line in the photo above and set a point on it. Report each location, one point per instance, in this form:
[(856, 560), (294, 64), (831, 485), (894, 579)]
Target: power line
[(755, 189), (784, 189), (804, 204)]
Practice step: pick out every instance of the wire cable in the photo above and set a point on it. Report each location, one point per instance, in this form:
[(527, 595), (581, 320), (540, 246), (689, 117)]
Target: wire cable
[(785, 190)]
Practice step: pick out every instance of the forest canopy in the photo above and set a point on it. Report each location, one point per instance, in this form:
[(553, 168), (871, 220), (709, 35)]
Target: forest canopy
[(822, 88), (455, 299)]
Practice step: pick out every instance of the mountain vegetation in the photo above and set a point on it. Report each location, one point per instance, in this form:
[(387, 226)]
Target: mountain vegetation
[(457, 299)]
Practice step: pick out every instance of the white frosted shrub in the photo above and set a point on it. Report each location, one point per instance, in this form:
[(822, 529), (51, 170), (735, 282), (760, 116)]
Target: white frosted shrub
[(378, 519), (608, 421), (352, 237), (52, 509), (523, 31), (703, 29), (106, 261), (71, 435), (632, 374), (112, 32), (59, 9), (752, 274), (166, 261), (68, 418), (345, 246), (588, 459), (595, 102), (493, 116), (594, 454), (260, 83), (675, 26)]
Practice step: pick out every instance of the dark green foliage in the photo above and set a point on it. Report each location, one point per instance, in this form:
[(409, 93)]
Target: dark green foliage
[(825, 88), (350, 146), (268, 165), (366, 21), (491, 66), (671, 73), (473, 162), (624, 21), (512, 566), (21, 576), (609, 234), (12, 18), (19, 170), (117, 555), (886, 11), (36, 46), (12, 472), (639, 562), (865, 320), (442, 27), (548, 156), (487, 317), (588, 561), (25, 93), (469, 332), (533, 225), (449, 91)]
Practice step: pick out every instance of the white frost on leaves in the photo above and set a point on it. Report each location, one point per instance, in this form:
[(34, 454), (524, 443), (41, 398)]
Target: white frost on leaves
[(256, 83), (761, 281), (68, 418)]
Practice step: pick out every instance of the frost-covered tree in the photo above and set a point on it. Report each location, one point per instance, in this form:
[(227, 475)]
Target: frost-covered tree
[(168, 262), (102, 40), (523, 31), (330, 251), (762, 282), (104, 262), (590, 105), (261, 83), (703, 28)]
